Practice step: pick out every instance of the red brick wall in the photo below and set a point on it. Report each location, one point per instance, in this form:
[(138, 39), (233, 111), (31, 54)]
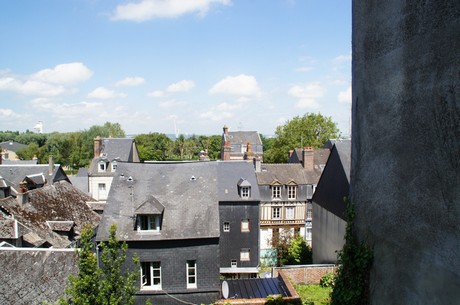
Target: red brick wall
[(306, 274)]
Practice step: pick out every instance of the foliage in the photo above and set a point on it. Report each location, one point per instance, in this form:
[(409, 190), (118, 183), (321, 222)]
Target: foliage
[(327, 280), (107, 284), (153, 146), (281, 241), (299, 253), (351, 284), (313, 294), (275, 300), (308, 130)]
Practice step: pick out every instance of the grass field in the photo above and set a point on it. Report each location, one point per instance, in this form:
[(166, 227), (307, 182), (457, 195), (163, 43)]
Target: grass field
[(313, 294)]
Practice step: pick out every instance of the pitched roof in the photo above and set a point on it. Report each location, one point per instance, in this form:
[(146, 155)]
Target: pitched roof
[(188, 192), (12, 146), (244, 137), (14, 174), (117, 148), (282, 173), (59, 202), (229, 175)]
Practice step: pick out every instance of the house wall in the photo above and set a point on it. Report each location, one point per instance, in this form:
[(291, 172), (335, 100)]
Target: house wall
[(173, 256), (405, 178), (328, 235), (93, 187), (232, 242), (305, 274)]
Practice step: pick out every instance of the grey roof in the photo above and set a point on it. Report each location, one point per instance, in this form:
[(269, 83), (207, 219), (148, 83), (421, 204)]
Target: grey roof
[(33, 276), (117, 148), (19, 162), (80, 183), (150, 206), (229, 175), (58, 202), (12, 146), (14, 174), (244, 137), (282, 173), (188, 192), (334, 184)]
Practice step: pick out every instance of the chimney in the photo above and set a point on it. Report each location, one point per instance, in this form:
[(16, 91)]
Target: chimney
[(307, 158), (97, 146), (257, 164), (291, 151), (226, 146), (22, 196), (50, 165)]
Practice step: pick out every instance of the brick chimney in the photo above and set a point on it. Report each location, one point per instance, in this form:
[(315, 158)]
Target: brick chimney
[(22, 196), (97, 146), (307, 158), (226, 146)]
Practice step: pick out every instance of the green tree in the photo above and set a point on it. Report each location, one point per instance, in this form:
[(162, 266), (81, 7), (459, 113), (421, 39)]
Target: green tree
[(299, 252), (308, 130), (107, 284), (153, 146)]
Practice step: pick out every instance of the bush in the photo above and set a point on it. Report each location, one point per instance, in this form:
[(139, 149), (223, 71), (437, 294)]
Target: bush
[(327, 280)]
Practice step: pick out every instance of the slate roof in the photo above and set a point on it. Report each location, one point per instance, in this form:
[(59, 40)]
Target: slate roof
[(59, 202), (14, 174), (117, 148), (188, 192), (12, 146), (243, 137), (19, 162), (229, 175), (334, 184), (282, 173)]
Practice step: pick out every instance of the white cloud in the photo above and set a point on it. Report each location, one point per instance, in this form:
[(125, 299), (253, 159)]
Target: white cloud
[(156, 93), (171, 104), (216, 115), (131, 81), (30, 87), (7, 113), (345, 96), (182, 86), (65, 74), (241, 85), (104, 93), (343, 59), (307, 94), (151, 9)]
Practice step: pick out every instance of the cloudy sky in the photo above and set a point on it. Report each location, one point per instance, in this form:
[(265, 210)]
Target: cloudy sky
[(187, 66)]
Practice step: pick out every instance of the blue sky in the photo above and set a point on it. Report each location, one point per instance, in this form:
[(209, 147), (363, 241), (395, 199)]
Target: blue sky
[(190, 66)]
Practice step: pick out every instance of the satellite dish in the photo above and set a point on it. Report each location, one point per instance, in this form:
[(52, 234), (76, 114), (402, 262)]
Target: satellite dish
[(225, 289)]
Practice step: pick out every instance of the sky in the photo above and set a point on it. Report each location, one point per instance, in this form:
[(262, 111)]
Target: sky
[(173, 66)]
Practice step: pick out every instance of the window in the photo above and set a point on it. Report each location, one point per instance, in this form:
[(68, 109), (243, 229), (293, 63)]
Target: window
[(245, 192), (226, 226), (308, 235), (101, 167), (148, 223), (101, 187), (276, 191), (233, 263), (101, 191), (309, 213), (290, 213), (150, 276), (276, 213), (244, 255), (244, 225), (114, 166), (191, 274), (292, 192)]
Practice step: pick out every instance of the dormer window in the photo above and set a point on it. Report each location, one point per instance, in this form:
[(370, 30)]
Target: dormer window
[(114, 166), (149, 223), (276, 191), (292, 192), (244, 188), (101, 166)]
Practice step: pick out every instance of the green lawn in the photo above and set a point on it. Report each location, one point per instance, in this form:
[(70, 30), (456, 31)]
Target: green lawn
[(313, 294)]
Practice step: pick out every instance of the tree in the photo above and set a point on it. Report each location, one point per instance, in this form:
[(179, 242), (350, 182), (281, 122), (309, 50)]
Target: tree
[(299, 252), (308, 130), (107, 284), (153, 146)]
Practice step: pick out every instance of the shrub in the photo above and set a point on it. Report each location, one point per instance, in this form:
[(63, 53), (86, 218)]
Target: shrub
[(327, 280)]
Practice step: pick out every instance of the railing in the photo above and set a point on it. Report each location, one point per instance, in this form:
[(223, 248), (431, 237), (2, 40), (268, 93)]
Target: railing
[(280, 222)]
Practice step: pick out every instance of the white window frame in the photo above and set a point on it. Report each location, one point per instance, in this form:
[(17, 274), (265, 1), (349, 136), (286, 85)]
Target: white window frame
[(245, 254), (148, 223), (309, 213), (101, 166), (226, 226), (101, 191), (276, 212), (245, 226), (233, 263), (153, 275), (276, 191), (191, 274), (245, 192), (292, 192), (114, 166), (290, 212)]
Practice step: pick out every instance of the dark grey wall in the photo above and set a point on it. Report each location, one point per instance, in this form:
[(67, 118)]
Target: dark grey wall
[(173, 256), (406, 144), (232, 242)]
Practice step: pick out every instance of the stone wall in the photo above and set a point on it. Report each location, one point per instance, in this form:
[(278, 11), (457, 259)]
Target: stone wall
[(305, 274), (31, 276), (405, 177)]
